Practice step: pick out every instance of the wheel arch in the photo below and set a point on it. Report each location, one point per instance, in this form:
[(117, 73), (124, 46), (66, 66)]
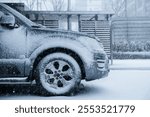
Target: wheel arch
[(46, 52)]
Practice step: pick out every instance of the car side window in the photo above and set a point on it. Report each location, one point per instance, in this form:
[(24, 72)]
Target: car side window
[(7, 19)]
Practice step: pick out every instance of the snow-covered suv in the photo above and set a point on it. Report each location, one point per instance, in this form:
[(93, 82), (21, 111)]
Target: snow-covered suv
[(57, 60)]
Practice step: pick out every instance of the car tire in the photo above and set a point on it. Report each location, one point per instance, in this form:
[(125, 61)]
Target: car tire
[(58, 74)]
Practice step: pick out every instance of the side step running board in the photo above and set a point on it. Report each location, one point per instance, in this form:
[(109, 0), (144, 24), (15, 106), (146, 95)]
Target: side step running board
[(15, 80)]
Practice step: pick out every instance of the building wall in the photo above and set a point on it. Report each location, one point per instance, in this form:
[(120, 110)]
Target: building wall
[(87, 5), (94, 5), (79, 5)]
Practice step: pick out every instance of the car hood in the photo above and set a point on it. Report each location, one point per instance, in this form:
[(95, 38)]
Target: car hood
[(61, 31)]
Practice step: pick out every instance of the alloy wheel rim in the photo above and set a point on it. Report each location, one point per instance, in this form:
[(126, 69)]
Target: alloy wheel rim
[(58, 74)]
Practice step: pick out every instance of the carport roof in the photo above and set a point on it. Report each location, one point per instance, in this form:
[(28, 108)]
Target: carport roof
[(70, 12)]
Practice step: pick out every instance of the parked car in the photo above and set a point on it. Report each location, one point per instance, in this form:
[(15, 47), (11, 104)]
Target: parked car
[(56, 59)]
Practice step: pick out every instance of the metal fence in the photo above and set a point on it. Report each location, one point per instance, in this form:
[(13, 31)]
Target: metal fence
[(131, 29)]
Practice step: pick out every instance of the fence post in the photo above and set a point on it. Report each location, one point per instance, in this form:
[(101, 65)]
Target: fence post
[(69, 22), (111, 44), (79, 23)]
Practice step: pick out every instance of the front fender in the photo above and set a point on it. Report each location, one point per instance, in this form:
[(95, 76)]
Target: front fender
[(82, 51)]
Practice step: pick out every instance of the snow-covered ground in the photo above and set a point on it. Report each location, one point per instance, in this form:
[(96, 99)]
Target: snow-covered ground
[(128, 79), (137, 64)]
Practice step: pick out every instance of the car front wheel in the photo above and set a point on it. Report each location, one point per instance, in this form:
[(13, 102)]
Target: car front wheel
[(58, 74)]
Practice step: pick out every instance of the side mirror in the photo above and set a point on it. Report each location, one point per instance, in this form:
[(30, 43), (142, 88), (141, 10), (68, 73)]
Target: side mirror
[(7, 20)]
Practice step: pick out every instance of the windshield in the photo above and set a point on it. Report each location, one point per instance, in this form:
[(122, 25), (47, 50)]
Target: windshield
[(20, 16)]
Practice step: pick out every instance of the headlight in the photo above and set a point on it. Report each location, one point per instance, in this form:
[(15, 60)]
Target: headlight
[(100, 59), (100, 56)]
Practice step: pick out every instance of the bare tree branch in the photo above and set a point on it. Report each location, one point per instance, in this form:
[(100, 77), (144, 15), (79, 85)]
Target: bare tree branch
[(117, 5), (57, 4)]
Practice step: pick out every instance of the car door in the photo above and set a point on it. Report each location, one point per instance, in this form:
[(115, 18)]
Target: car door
[(12, 45)]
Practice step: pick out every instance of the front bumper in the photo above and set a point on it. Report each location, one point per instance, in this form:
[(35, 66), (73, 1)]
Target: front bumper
[(99, 68)]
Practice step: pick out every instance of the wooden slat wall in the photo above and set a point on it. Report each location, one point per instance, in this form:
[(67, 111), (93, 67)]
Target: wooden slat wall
[(100, 29), (49, 23)]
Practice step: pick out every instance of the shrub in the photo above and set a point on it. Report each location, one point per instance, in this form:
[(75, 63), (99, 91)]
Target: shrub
[(133, 46), (131, 50)]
